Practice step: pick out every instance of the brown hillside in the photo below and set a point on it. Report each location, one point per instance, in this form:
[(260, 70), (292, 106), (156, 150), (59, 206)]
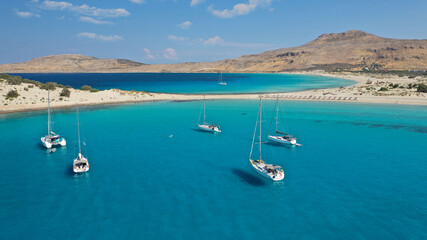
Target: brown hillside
[(352, 50)]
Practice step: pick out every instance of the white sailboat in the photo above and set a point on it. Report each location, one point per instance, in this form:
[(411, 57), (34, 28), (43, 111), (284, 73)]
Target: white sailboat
[(273, 172), (80, 164), (221, 82), (51, 139), (281, 137), (206, 126)]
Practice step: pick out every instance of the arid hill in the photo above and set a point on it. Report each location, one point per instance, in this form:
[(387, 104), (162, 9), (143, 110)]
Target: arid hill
[(69, 63), (351, 50)]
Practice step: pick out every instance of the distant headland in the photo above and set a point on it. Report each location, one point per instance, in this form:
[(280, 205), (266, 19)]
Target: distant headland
[(349, 51)]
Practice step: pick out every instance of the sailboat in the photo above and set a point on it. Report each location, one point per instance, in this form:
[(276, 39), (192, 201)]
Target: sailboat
[(206, 126), (270, 171), (80, 164), (221, 82), (281, 137), (51, 139)]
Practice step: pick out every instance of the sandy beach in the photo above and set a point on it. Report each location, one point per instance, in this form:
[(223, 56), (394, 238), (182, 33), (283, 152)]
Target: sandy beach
[(365, 90)]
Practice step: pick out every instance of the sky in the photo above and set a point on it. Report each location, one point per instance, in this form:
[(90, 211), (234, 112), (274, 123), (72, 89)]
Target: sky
[(173, 31)]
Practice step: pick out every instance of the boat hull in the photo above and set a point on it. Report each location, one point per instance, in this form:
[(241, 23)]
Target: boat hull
[(276, 178), (80, 169), (207, 128), (278, 139), (48, 144)]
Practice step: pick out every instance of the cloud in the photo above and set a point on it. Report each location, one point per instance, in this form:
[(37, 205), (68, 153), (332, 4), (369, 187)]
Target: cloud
[(196, 2), (138, 1), (185, 25), (177, 38), (94, 21), (240, 8), (217, 40), (148, 53), (111, 38), (27, 14), (84, 9), (170, 53)]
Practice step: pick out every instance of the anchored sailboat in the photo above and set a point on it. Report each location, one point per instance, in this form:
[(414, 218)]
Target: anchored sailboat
[(206, 126), (281, 137), (80, 164), (221, 82), (51, 139), (273, 172)]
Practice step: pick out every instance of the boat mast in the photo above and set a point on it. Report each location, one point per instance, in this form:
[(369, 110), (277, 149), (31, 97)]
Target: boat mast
[(48, 114), (78, 130), (253, 138), (204, 109), (277, 112), (260, 123)]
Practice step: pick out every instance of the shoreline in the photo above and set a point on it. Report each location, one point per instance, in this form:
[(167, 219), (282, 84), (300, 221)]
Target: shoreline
[(33, 99)]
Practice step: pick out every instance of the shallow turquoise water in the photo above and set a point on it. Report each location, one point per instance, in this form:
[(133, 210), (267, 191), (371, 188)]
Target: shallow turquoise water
[(195, 83), (361, 174)]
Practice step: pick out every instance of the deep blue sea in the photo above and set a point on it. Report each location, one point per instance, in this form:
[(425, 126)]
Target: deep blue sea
[(361, 174), (192, 82)]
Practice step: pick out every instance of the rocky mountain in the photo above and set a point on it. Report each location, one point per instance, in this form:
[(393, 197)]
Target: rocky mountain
[(351, 50)]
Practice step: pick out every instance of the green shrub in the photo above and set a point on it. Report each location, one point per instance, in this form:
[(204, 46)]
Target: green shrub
[(12, 94), (49, 86), (30, 86), (89, 88), (14, 80), (422, 88), (395, 85), (86, 88), (383, 89), (26, 89), (65, 92)]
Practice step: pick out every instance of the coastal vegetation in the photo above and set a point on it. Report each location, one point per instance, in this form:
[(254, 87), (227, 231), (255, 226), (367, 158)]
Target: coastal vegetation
[(422, 88), (65, 92), (18, 80), (89, 88), (12, 94)]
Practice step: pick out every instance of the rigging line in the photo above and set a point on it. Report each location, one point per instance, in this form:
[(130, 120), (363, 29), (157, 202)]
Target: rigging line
[(78, 129), (200, 114), (253, 138)]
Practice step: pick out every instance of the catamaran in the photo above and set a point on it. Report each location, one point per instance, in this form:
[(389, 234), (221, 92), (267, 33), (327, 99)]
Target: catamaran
[(80, 164), (206, 126), (221, 82), (273, 172), (51, 139), (281, 137)]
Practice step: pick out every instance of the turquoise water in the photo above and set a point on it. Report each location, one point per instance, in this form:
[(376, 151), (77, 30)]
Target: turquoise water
[(361, 174), (192, 82)]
